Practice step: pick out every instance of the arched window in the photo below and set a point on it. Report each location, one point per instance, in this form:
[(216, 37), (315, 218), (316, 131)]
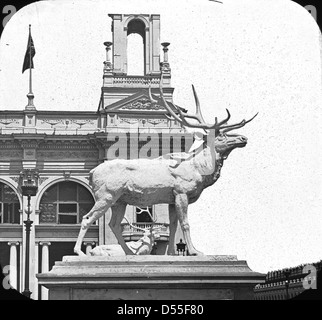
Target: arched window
[(136, 48), (9, 205), (65, 203)]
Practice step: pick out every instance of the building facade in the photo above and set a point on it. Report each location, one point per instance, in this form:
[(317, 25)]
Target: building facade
[(288, 283), (63, 146)]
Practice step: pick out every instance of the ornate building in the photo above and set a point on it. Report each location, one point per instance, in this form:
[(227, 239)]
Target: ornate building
[(63, 146)]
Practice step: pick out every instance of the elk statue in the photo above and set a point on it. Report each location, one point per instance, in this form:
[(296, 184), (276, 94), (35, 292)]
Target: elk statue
[(175, 179), (143, 246)]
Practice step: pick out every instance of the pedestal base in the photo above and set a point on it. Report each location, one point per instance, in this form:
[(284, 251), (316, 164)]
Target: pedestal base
[(150, 278)]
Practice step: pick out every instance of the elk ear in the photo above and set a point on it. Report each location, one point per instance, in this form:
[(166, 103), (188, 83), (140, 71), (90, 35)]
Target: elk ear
[(198, 141)]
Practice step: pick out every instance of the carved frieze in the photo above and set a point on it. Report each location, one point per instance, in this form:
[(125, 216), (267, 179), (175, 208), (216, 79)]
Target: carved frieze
[(11, 154), (67, 122), (144, 121), (29, 143), (158, 121), (8, 122), (142, 104), (130, 120)]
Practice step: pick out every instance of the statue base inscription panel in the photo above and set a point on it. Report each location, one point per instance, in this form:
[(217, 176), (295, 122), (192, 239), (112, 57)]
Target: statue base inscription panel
[(151, 278)]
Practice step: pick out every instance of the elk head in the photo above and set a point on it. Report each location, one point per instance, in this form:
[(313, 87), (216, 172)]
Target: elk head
[(217, 137)]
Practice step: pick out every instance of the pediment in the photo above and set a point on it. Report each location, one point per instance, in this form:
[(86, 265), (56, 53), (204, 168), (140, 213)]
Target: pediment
[(139, 102)]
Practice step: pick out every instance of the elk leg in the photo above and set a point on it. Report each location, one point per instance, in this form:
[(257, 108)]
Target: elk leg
[(118, 212), (96, 212), (173, 221), (181, 203)]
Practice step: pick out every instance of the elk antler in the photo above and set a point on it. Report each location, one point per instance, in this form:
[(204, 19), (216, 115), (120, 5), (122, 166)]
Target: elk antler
[(219, 127), (182, 117), (153, 220), (153, 101), (225, 129), (134, 227), (143, 229)]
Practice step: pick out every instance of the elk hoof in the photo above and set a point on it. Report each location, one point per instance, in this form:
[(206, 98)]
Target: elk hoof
[(195, 253)]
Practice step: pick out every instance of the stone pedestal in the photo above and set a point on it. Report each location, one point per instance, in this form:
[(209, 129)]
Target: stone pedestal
[(150, 278)]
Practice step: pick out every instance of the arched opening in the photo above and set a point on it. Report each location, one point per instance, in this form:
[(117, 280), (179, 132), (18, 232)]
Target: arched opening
[(65, 203), (9, 205), (136, 48)]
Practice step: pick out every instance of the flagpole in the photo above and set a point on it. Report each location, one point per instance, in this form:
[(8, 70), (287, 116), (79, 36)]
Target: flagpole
[(30, 77), (30, 95)]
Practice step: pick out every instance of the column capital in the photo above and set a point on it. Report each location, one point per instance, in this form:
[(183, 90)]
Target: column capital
[(45, 243), (13, 243), (89, 243)]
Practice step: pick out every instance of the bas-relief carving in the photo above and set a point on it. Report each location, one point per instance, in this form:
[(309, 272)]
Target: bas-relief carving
[(174, 179), (10, 122), (11, 154), (142, 104), (67, 122), (144, 121)]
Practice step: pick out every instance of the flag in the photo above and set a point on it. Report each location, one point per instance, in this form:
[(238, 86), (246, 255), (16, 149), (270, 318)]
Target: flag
[(30, 53)]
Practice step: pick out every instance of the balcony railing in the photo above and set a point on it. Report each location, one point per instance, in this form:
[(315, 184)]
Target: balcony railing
[(130, 81), (130, 233)]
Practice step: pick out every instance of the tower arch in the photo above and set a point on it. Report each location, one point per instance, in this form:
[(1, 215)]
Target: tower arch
[(148, 27)]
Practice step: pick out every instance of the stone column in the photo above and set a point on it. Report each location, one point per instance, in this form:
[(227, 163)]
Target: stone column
[(35, 294), (44, 266), (89, 245), (13, 263)]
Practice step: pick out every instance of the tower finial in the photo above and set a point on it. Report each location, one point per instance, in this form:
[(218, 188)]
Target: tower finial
[(108, 64)]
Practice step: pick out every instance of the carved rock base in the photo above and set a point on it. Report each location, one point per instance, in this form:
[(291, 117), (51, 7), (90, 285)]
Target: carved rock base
[(150, 278)]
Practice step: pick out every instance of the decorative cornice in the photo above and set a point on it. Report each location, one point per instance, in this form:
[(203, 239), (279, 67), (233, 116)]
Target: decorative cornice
[(67, 154), (9, 144), (65, 145), (29, 143)]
